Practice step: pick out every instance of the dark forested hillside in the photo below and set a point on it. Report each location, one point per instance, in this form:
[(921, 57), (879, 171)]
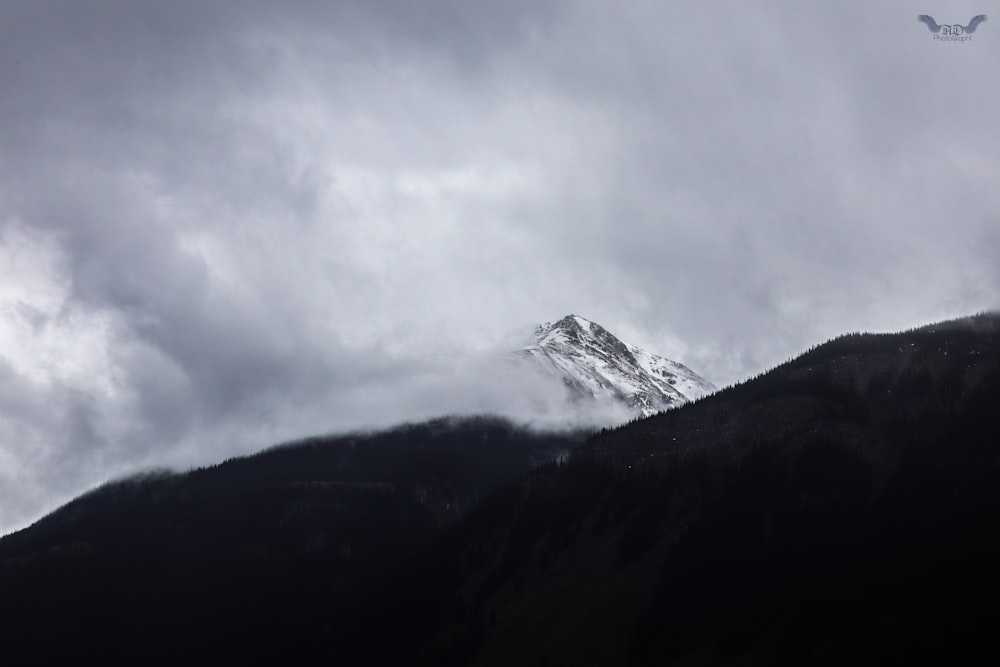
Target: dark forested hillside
[(842, 508), (252, 555)]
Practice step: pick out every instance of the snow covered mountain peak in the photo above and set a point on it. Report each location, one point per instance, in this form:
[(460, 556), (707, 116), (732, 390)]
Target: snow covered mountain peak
[(596, 365)]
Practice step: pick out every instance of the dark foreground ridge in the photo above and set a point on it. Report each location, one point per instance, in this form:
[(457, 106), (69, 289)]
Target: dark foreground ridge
[(263, 556), (839, 509)]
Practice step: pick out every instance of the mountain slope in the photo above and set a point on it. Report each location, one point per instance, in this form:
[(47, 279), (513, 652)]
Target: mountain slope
[(253, 555), (596, 365), (840, 509)]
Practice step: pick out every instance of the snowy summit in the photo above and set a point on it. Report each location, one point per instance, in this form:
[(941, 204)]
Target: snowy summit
[(594, 364)]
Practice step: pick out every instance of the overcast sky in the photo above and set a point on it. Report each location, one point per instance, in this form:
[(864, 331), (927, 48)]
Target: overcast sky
[(226, 224)]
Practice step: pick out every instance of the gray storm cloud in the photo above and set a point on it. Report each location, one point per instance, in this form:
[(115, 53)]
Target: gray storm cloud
[(228, 224)]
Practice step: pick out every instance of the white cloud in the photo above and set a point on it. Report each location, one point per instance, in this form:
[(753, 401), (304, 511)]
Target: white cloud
[(227, 224)]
